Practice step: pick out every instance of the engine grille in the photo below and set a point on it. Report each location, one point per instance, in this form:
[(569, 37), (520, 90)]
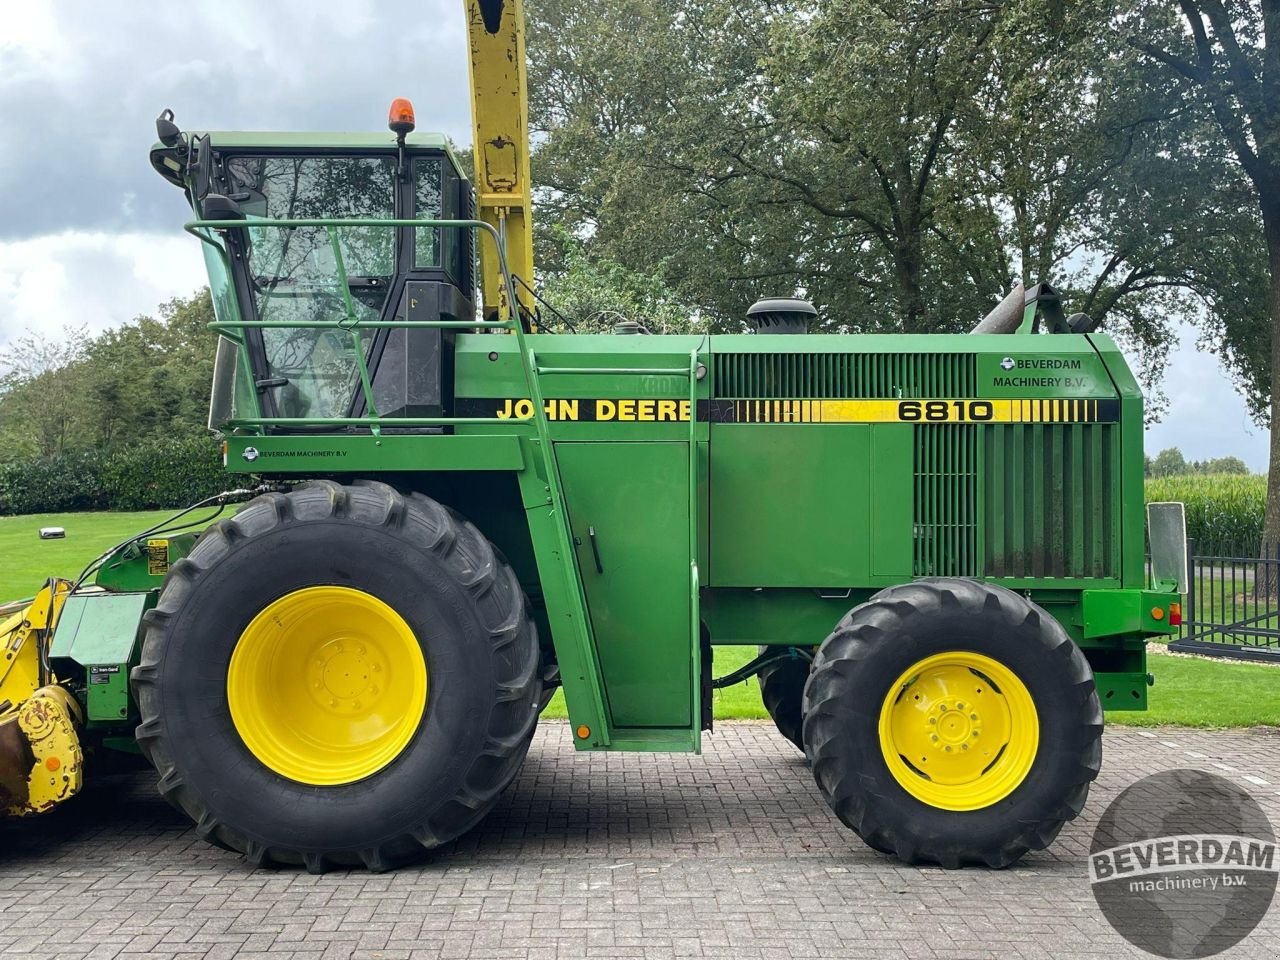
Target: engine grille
[(946, 501), (844, 376), (1017, 500)]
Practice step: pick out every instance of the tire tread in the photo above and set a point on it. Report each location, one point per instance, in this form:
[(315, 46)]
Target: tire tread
[(865, 630), (462, 549)]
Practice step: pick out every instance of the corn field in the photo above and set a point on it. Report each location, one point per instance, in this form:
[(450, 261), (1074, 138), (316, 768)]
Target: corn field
[(1222, 509)]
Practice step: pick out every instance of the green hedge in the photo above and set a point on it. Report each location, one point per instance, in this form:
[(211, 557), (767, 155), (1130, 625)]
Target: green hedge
[(1224, 510), (148, 476)]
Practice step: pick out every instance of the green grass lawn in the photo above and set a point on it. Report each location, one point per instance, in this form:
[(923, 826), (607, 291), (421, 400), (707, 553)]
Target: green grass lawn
[(1197, 692), (1189, 691), (26, 561)]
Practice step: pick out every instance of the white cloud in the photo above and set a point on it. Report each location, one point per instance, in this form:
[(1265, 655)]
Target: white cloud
[(32, 43), (81, 83), (97, 279)]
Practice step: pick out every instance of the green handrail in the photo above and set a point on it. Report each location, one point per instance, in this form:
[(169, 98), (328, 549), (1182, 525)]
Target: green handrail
[(201, 229), (695, 613), (613, 371), (382, 421)]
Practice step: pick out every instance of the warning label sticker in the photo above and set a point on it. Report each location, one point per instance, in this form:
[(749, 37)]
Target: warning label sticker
[(157, 557)]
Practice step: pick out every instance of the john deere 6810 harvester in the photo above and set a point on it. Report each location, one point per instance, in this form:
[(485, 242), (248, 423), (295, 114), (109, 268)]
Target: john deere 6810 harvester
[(934, 543)]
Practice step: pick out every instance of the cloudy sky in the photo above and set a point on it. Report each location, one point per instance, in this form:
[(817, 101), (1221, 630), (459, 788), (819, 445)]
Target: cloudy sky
[(90, 235)]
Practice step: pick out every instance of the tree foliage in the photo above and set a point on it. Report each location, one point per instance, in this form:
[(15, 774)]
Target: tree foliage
[(899, 164), (146, 379), (592, 294), (40, 395), (1170, 462), (1224, 64)]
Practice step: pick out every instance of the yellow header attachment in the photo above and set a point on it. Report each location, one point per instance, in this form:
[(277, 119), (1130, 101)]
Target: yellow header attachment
[(41, 763), (500, 119)]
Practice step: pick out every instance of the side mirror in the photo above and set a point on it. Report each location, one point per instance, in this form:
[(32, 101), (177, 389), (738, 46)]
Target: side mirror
[(167, 131), (198, 168), (1167, 531), (218, 206)]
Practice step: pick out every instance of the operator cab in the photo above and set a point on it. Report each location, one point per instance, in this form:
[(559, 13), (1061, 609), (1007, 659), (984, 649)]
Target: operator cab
[(300, 275)]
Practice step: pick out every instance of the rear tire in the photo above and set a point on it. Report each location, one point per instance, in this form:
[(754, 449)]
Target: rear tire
[(859, 689), (459, 600), (782, 690)]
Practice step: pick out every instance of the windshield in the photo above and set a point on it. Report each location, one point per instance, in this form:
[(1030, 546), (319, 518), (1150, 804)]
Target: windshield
[(294, 275)]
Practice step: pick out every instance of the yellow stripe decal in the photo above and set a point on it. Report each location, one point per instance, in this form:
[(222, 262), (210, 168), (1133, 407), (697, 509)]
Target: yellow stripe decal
[(791, 411), (949, 411)]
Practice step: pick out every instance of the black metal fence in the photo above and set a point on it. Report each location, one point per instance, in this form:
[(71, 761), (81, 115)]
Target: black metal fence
[(1232, 607)]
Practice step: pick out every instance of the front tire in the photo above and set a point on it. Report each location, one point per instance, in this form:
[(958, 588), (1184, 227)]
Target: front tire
[(338, 676), (952, 722)]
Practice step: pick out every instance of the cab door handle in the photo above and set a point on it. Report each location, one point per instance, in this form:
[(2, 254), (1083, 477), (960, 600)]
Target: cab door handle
[(595, 549)]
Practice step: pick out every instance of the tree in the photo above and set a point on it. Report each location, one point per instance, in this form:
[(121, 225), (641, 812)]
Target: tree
[(150, 377), (1169, 463), (41, 403), (147, 378), (778, 165), (1222, 465), (591, 294), (1229, 64), (898, 164)]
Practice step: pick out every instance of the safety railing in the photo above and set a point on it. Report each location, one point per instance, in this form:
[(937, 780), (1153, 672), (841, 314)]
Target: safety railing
[(349, 322)]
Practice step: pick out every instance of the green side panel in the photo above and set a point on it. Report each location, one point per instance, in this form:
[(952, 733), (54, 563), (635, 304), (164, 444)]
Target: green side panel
[(142, 564), (810, 505), (792, 617), (1132, 506), (100, 628), (635, 496), (98, 633), (891, 528)]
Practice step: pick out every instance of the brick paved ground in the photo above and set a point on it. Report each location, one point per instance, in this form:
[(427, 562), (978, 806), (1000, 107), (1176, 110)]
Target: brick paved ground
[(731, 854)]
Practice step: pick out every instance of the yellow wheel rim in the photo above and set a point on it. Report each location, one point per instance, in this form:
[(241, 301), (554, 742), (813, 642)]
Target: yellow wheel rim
[(327, 685), (959, 731)]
